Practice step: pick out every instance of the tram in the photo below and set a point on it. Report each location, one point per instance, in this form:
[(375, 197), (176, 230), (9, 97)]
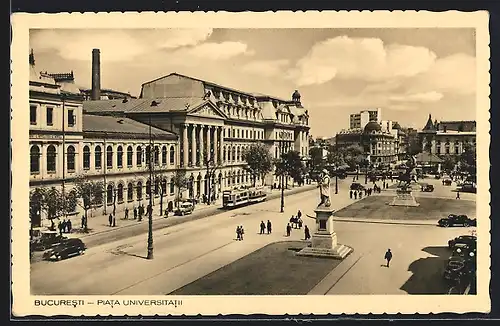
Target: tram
[(243, 196)]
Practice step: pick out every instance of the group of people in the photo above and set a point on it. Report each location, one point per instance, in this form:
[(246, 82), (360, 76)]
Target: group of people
[(263, 227), (64, 226), (307, 234), (240, 231)]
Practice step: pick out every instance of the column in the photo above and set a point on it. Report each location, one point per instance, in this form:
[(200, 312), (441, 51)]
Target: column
[(185, 145), (221, 143), (216, 139), (209, 147), (201, 143)]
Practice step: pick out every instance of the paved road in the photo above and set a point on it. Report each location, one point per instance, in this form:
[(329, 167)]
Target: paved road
[(188, 251)]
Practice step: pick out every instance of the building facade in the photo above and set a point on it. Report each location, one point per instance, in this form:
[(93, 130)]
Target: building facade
[(447, 137), (361, 119)]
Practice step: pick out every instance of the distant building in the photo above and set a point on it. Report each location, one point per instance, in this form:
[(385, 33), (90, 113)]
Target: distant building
[(361, 119), (447, 137), (106, 94)]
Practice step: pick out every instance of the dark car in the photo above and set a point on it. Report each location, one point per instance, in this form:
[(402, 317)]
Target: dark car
[(457, 220), (468, 187), (468, 240), (66, 249), (46, 239), (461, 265), (357, 186), (427, 188)]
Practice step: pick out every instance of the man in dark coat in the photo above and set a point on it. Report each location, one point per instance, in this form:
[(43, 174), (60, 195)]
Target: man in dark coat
[(388, 256), (262, 227), (288, 229), (110, 219), (269, 227), (307, 235), (135, 213), (126, 213), (350, 194)]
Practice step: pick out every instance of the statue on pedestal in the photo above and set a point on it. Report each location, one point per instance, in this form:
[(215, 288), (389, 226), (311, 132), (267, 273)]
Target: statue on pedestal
[(324, 189)]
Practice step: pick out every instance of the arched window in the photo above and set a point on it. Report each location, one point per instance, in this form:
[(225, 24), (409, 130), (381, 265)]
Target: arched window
[(172, 186), (157, 155), (109, 157), (238, 177), (163, 186), (109, 194), (164, 155), (139, 190), (238, 153), (233, 156), (130, 192), (70, 165), (130, 153), (35, 159), (148, 154), (120, 193), (119, 157), (51, 158), (172, 155), (139, 156), (224, 154), (86, 157), (98, 157)]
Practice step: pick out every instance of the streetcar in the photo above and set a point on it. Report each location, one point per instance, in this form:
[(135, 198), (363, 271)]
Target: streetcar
[(243, 196)]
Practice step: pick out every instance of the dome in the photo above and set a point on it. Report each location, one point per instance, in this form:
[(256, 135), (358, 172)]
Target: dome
[(372, 126), (396, 126)]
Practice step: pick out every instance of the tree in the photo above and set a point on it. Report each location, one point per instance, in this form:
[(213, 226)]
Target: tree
[(91, 194), (352, 155), (158, 179), (259, 161), (54, 204), (180, 183), (290, 164), (317, 162), (37, 196), (448, 162), (211, 168), (468, 159)]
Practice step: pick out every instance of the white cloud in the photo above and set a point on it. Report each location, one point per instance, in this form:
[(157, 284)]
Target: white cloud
[(360, 58), (215, 51), (267, 68), (418, 97), (115, 45)]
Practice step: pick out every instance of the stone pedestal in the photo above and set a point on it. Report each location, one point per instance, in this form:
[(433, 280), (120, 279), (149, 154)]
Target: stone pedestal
[(324, 240), (404, 198)]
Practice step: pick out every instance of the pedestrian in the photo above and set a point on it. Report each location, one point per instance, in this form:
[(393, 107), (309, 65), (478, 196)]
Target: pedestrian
[(83, 221), (110, 219), (135, 213), (126, 213), (288, 229), (458, 195), (242, 232), (63, 226), (238, 233), (166, 212), (366, 192), (388, 256), (262, 227), (60, 226), (307, 235), (300, 223), (69, 226), (299, 215), (355, 195), (350, 194), (269, 227), (360, 194)]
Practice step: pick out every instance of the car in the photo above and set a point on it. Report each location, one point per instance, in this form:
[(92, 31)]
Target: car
[(357, 186), (185, 208), (427, 188), (461, 265), (447, 182), (66, 249), (455, 220), (468, 187), (45, 239), (468, 240)]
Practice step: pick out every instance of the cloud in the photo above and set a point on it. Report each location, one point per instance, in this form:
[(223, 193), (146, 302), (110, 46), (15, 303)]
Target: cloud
[(360, 58), (115, 45), (214, 51), (267, 68), (418, 97)]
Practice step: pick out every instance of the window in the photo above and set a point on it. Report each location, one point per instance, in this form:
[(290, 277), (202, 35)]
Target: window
[(120, 193), (238, 133), (172, 155), (157, 155), (224, 154), (130, 153), (139, 190), (109, 194), (130, 192), (233, 156), (35, 159), (98, 157), (86, 157), (71, 118), (33, 115), (50, 116), (119, 157), (71, 159), (139, 156), (109, 157), (148, 154), (163, 186), (172, 187), (164, 155), (51, 158)]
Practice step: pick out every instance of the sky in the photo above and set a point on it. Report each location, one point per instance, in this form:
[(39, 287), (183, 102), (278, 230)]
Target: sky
[(409, 73)]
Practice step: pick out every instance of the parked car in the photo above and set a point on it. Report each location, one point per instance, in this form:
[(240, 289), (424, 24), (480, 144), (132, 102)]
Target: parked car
[(461, 266), (457, 220), (357, 186), (468, 187), (468, 240), (427, 187), (45, 239), (184, 208), (447, 182), (66, 249)]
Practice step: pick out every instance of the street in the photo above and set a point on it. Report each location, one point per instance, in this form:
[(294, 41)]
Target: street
[(188, 251)]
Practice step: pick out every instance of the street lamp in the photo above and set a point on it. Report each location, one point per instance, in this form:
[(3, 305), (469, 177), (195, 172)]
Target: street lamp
[(150, 213), (282, 177)]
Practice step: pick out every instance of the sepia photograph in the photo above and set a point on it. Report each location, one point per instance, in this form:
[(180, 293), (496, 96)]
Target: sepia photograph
[(193, 161)]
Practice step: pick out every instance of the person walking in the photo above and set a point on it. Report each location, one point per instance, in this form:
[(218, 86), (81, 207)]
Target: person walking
[(110, 219), (355, 195), (360, 194), (135, 213), (388, 256), (126, 213), (288, 229), (262, 227), (238, 233), (307, 235), (458, 195), (242, 232), (269, 227), (299, 215), (83, 221), (350, 194), (60, 226), (69, 226)]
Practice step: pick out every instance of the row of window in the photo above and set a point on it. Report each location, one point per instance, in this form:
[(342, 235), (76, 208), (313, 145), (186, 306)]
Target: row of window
[(49, 116), (70, 157), (245, 133)]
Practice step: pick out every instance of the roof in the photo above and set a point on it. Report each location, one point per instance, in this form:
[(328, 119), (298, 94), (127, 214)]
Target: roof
[(59, 77), (396, 126), (372, 126), (429, 125), (168, 104), (119, 125), (118, 105), (428, 157)]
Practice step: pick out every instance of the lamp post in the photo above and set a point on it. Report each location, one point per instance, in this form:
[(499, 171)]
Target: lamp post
[(150, 213), (282, 177)]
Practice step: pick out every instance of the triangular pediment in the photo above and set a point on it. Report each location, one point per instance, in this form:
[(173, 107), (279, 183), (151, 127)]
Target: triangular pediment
[(207, 109)]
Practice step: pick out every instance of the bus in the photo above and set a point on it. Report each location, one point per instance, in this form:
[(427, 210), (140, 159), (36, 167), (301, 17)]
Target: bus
[(243, 196)]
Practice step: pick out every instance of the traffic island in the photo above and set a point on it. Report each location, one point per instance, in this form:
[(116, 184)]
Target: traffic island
[(272, 270)]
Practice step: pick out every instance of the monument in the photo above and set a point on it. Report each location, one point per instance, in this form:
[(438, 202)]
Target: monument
[(404, 195), (324, 239)]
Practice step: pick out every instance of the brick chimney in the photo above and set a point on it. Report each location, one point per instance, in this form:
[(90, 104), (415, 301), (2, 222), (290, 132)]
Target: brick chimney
[(96, 75)]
